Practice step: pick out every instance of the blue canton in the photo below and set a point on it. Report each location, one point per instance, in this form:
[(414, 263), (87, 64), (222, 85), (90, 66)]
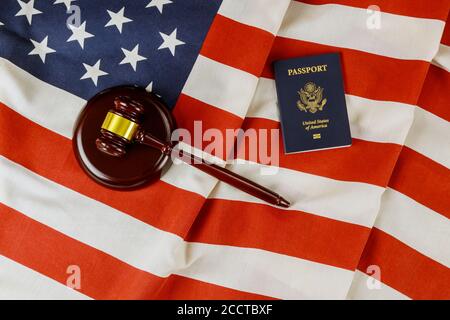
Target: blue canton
[(84, 46)]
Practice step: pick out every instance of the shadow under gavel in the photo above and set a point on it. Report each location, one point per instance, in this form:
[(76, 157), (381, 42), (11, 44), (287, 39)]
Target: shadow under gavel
[(122, 127)]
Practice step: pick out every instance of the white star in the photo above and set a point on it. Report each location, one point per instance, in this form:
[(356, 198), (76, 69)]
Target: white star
[(27, 9), (149, 88), (79, 34), (132, 57), (41, 49), (170, 41), (158, 4), (1, 24), (68, 3), (117, 19), (93, 72)]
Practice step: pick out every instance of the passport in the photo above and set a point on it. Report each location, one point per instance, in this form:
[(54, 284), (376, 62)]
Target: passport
[(312, 104)]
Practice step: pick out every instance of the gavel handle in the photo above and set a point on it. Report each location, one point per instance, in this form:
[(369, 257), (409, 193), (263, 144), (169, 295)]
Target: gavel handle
[(216, 171)]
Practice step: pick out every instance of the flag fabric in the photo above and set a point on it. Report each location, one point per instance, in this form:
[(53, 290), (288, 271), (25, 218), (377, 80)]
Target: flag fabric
[(410, 238), (379, 208)]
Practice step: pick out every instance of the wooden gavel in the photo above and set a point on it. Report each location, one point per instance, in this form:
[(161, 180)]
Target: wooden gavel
[(122, 127)]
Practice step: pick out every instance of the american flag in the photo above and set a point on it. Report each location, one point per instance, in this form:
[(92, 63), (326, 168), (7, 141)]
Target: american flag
[(366, 222)]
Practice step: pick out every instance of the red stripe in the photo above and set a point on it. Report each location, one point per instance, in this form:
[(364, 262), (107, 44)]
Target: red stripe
[(237, 45), (435, 93), (188, 110), (292, 233), (364, 161), (50, 155), (423, 180), (446, 36), (405, 269), (50, 252), (417, 8), (365, 74)]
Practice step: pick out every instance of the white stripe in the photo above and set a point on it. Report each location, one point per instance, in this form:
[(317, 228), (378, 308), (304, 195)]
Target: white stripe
[(221, 86), (40, 102), (159, 252), (371, 120), (18, 282), (429, 135), (265, 103), (351, 202), (262, 14), (379, 121), (346, 27), (368, 288), (417, 226), (266, 273), (442, 59)]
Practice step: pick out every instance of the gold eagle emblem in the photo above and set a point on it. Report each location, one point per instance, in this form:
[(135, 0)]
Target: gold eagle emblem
[(311, 98)]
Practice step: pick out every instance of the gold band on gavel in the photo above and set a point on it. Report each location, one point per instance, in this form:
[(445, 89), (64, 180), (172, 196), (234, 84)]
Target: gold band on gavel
[(120, 126)]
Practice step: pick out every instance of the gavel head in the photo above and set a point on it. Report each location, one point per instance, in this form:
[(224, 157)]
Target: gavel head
[(120, 126)]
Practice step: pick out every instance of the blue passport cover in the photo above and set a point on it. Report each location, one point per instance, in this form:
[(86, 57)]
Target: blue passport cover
[(312, 105)]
